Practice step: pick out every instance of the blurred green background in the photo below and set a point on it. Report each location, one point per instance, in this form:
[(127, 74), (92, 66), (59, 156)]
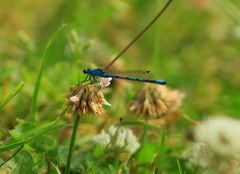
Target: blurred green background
[(194, 47)]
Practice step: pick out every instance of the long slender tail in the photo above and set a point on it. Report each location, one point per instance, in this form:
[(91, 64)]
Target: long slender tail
[(160, 82)]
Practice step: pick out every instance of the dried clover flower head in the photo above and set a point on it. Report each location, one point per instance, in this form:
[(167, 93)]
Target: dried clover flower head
[(221, 134), (217, 145), (87, 99), (201, 155), (155, 101)]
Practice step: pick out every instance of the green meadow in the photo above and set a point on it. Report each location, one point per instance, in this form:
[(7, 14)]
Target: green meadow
[(148, 129)]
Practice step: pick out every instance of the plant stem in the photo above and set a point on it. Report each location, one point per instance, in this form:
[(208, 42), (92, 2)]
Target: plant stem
[(12, 95), (18, 150), (48, 163), (74, 133)]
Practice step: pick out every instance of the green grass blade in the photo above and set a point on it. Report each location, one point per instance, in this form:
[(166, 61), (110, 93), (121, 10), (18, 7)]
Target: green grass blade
[(179, 167), (31, 134), (40, 73), (15, 153), (13, 94), (138, 123), (11, 145)]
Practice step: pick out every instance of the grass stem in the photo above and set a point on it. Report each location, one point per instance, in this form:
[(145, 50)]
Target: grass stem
[(12, 95), (15, 153), (43, 65), (71, 146)]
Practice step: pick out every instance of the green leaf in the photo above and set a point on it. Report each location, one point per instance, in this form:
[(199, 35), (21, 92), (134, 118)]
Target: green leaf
[(25, 133), (82, 161), (13, 94), (146, 152), (62, 153), (20, 128), (44, 143), (24, 163), (112, 169), (167, 163), (106, 170), (98, 150)]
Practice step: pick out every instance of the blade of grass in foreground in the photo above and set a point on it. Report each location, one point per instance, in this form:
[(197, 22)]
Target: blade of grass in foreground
[(31, 134), (40, 73), (179, 167), (13, 94)]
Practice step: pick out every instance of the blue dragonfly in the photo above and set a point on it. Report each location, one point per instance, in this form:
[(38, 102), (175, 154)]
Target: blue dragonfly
[(92, 73), (101, 73)]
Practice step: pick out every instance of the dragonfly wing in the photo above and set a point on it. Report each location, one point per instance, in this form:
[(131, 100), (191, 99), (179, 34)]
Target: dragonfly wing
[(145, 74)]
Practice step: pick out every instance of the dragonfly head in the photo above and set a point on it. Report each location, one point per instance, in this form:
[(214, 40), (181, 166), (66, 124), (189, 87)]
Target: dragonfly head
[(87, 71)]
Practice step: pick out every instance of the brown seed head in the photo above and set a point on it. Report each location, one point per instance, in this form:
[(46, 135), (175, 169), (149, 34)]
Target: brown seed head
[(155, 101), (86, 100)]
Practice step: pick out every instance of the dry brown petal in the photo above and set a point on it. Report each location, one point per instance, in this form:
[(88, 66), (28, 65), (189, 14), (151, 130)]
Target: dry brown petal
[(90, 100), (155, 101)]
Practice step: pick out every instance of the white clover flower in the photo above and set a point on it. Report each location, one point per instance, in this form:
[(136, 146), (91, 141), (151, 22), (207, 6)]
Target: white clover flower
[(103, 138), (121, 137), (112, 130), (221, 134), (132, 143), (118, 137)]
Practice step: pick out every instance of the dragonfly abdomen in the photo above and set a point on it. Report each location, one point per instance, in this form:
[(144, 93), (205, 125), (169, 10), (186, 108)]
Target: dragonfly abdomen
[(161, 82)]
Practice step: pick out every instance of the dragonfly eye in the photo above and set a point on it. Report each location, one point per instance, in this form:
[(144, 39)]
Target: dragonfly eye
[(85, 71)]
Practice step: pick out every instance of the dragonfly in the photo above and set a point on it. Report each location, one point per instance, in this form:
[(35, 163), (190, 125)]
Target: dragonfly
[(98, 72)]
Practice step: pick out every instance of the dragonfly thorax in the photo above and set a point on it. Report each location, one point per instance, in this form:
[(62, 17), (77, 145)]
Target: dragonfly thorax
[(92, 71)]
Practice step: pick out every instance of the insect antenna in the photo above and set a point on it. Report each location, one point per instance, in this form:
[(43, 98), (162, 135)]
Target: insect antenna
[(139, 34)]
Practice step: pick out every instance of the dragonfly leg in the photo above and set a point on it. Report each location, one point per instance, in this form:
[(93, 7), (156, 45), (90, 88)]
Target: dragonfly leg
[(93, 79), (86, 79)]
